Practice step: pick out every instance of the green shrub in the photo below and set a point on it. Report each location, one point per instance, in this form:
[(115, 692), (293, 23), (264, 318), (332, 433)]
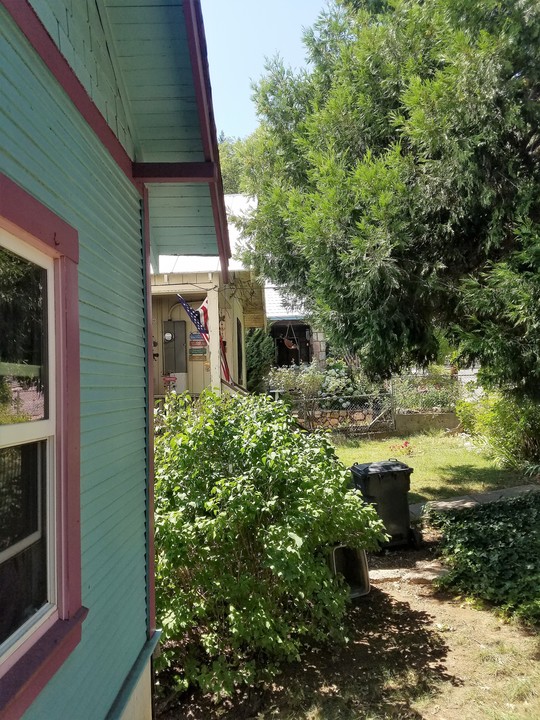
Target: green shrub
[(260, 354), (301, 385), (508, 427), (247, 506), (337, 379), (306, 380), (437, 391), (493, 552)]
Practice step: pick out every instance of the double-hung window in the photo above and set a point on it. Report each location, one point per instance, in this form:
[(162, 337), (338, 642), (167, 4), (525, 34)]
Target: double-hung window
[(40, 545), (27, 441)]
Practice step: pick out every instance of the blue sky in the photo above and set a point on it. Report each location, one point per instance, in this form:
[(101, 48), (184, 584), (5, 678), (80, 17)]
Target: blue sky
[(240, 34)]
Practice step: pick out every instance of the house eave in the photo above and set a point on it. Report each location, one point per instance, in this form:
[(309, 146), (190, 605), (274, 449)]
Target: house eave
[(203, 93)]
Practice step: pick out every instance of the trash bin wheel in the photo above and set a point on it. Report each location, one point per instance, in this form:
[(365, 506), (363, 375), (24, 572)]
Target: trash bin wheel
[(415, 538)]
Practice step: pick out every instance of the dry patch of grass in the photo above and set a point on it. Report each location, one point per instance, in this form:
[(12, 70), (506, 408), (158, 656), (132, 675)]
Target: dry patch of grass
[(502, 680)]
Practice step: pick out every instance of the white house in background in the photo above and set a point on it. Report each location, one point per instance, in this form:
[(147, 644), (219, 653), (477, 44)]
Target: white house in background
[(295, 340), (182, 358)]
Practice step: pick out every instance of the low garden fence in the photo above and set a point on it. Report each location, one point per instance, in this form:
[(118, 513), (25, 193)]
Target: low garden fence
[(416, 394), (352, 413)]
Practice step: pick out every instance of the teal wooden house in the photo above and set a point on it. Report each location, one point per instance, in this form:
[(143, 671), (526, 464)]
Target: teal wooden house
[(108, 159)]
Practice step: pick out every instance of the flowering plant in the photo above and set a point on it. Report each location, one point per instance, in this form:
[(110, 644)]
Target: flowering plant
[(405, 448)]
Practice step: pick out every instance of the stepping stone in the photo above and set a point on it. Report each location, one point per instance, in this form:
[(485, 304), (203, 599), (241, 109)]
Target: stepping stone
[(457, 504), (425, 573), (495, 495), (385, 576)]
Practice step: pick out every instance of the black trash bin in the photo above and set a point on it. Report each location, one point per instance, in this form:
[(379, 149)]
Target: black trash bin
[(385, 484)]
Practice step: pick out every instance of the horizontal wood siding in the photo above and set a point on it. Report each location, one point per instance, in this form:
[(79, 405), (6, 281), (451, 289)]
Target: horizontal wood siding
[(50, 151)]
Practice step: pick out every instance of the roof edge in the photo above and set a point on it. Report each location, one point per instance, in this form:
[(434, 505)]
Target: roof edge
[(203, 93)]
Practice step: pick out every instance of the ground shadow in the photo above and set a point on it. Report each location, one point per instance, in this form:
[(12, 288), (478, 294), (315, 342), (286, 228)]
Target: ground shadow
[(393, 657), (466, 479)]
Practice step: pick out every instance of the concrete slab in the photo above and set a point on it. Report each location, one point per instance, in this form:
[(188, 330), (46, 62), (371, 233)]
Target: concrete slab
[(456, 504), (416, 510), (495, 495)]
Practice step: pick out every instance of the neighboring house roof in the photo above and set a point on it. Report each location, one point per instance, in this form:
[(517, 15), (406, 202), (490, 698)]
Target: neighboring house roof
[(277, 308)]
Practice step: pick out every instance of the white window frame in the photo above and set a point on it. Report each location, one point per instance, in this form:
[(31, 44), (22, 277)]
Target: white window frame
[(35, 431)]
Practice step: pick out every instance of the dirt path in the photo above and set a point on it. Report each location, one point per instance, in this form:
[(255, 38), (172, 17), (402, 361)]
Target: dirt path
[(412, 654), (487, 668)]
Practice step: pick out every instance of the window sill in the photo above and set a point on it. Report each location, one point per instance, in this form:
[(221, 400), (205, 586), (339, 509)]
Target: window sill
[(29, 675)]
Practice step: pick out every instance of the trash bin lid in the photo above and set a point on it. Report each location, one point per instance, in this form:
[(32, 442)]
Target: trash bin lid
[(380, 468)]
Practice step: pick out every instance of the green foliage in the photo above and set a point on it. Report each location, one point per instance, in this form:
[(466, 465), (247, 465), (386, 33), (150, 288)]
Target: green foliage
[(21, 291), (231, 163), (398, 183), (304, 380), (509, 426), (9, 415), (10, 409), (260, 353), (246, 508), (235, 156), (434, 392), (493, 552), (337, 379)]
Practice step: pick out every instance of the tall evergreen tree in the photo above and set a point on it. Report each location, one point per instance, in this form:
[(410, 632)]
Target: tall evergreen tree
[(398, 182)]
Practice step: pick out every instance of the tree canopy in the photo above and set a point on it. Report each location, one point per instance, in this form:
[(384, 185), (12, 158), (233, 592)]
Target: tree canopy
[(231, 163), (398, 182)]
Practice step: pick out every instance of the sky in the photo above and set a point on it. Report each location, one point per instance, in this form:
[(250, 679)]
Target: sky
[(240, 34)]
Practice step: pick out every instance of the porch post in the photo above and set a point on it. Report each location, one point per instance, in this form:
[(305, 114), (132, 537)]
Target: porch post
[(213, 328)]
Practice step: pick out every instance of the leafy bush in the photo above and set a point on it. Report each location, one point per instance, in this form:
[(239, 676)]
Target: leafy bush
[(337, 379), (10, 408), (259, 358), (246, 507), (438, 391), (493, 552), (305, 380), (508, 427)]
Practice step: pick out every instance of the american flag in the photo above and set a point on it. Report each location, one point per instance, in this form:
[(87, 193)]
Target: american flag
[(202, 329), (195, 318)]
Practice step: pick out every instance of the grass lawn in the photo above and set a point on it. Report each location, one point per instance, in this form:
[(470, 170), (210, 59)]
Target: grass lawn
[(444, 465)]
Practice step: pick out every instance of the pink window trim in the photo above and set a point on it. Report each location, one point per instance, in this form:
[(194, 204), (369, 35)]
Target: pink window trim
[(31, 668)]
